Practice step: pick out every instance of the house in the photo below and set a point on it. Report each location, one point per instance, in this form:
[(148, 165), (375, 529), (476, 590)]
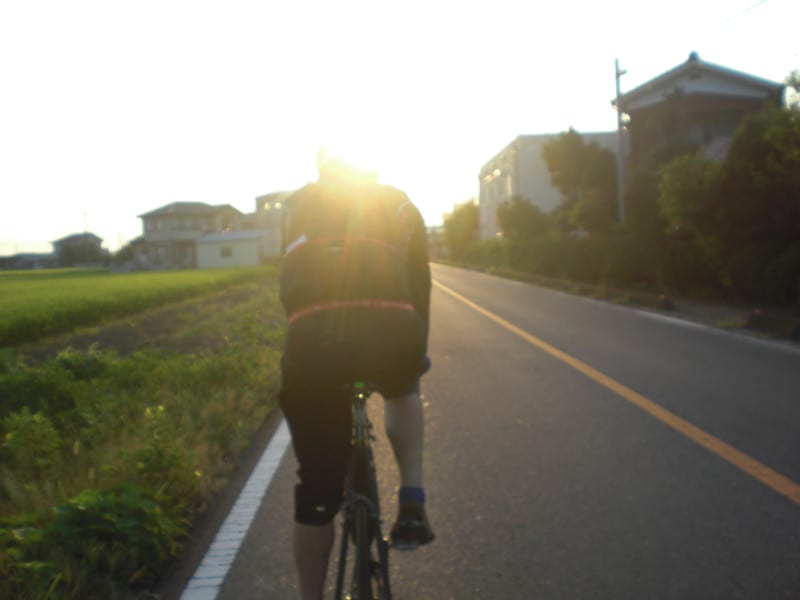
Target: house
[(519, 170), (170, 233), (696, 102), (27, 260), (247, 248), (196, 234), (78, 250)]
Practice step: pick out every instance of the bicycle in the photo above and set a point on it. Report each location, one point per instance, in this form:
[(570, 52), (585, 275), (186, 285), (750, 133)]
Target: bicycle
[(361, 512)]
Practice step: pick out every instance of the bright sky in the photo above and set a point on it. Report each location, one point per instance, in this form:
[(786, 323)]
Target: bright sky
[(110, 109)]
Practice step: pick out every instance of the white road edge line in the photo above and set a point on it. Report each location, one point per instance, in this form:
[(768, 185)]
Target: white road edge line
[(207, 579)]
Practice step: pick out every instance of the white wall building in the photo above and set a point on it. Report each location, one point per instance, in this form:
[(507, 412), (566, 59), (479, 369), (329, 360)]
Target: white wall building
[(519, 170), (232, 249), (270, 210)]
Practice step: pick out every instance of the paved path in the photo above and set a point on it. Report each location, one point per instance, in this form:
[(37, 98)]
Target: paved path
[(577, 449)]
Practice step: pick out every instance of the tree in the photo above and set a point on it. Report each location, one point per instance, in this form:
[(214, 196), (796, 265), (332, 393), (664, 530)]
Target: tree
[(643, 216), (461, 228), (586, 176), (521, 220), (689, 200), (761, 216), (125, 254), (761, 179), (744, 213)]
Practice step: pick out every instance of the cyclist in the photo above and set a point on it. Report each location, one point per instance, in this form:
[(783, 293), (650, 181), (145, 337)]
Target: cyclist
[(355, 284)]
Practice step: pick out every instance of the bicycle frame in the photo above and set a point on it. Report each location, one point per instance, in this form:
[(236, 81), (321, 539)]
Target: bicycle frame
[(361, 511)]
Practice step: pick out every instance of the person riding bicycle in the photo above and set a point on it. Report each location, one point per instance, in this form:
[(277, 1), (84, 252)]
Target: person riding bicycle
[(355, 285)]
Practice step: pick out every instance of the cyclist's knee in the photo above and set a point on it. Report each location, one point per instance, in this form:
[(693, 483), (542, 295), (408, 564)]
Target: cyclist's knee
[(315, 506)]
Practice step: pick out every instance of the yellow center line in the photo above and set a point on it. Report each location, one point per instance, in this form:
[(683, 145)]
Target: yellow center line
[(769, 477)]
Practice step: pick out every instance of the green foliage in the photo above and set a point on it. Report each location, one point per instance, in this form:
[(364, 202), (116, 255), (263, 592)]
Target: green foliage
[(461, 229), (31, 442), (643, 218), (585, 174), (120, 536), (105, 459), (22, 574), (487, 253), (520, 220), (728, 229), (124, 254), (35, 304), (84, 253), (689, 200), (782, 277), (743, 215), (83, 366), (163, 463), (48, 390), (761, 180)]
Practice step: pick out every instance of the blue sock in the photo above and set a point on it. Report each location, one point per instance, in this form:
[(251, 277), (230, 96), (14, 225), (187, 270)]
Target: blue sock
[(411, 494)]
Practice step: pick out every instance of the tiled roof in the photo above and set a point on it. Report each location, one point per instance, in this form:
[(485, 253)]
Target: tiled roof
[(188, 208), (76, 237), (694, 62)]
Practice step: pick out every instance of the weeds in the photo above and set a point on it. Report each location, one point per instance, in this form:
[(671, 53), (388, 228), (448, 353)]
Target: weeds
[(105, 459)]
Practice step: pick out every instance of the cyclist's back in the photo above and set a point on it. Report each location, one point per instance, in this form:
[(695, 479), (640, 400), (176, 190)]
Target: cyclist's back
[(355, 281), (355, 284)]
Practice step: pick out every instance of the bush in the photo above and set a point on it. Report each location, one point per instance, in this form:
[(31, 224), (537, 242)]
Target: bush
[(84, 366), (127, 448), (120, 535), (47, 392), (31, 443), (782, 277), (486, 253)]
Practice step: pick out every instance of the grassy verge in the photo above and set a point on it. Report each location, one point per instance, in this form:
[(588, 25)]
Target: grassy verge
[(599, 291), (34, 304), (105, 458)]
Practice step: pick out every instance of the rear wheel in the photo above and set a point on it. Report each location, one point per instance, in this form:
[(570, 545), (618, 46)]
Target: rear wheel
[(362, 576), (381, 571)]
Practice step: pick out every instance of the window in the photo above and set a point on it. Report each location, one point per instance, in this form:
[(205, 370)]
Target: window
[(226, 252)]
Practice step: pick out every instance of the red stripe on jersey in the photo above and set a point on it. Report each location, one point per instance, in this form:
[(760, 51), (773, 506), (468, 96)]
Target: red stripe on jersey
[(334, 305)]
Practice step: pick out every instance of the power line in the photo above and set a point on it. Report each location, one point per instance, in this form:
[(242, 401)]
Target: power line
[(746, 10)]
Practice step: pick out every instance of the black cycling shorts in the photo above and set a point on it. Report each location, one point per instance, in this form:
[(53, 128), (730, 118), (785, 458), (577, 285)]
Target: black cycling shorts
[(318, 412)]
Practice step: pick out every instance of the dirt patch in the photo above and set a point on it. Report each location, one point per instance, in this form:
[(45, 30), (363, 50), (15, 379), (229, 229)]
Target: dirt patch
[(772, 322)]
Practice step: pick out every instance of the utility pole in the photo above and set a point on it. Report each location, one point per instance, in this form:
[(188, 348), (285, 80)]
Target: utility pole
[(621, 156)]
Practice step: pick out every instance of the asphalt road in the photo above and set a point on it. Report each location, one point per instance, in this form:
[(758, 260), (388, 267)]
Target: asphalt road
[(546, 479)]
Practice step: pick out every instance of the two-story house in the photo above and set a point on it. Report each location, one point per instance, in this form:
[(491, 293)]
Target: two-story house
[(195, 234), (696, 102), (171, 233), (79, 249)]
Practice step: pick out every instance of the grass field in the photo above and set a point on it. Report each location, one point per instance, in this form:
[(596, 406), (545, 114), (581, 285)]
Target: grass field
[(106, 457), (35, 304)]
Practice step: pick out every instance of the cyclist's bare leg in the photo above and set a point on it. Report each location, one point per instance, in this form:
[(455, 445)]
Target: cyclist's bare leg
[(312, 547), (405, 428)]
